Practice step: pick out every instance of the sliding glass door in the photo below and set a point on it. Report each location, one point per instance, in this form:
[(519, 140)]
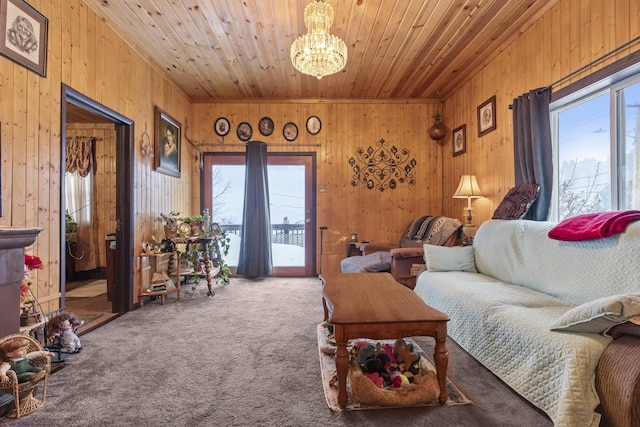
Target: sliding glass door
[(292, 212)]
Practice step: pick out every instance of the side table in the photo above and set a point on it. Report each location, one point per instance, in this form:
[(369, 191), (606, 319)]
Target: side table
[(204, 246), (353, 249), (156, 263)]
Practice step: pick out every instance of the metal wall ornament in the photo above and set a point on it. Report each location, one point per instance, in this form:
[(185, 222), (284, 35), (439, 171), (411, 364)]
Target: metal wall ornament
[(382, 168)]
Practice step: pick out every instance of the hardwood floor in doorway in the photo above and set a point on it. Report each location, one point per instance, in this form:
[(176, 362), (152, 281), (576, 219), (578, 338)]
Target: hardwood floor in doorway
[(89, 306)]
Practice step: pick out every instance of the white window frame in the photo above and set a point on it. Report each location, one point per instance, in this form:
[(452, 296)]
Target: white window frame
[(612, 84)]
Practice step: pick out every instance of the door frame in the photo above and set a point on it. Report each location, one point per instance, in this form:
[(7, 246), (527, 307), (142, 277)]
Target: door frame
[(125, 144), (310, 266)]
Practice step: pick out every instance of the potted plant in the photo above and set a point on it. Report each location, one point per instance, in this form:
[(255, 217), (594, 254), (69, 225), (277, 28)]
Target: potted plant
[(196, 225), (71, 227)]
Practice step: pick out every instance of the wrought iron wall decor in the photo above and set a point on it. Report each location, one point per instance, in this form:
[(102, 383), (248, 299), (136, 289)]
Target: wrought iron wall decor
[(381, 167)]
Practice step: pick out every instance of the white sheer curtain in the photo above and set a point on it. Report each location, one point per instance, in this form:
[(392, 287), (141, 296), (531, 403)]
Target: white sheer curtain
[(79, 204)]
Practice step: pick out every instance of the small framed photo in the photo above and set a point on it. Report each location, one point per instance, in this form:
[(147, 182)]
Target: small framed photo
[(265, 126), (244, 131), (167, 154), (23, 35), (459, 138), (314, 125), (487, 116), (222, 126), (290, 131)]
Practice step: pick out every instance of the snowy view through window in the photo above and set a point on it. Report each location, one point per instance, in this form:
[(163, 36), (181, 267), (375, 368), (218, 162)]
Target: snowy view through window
[(286, 198)]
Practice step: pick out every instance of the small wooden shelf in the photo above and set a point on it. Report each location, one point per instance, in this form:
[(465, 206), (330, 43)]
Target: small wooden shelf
[(157, 263)]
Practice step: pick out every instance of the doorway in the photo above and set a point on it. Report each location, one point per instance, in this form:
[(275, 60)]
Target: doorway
[(77, 108), (292, 206)]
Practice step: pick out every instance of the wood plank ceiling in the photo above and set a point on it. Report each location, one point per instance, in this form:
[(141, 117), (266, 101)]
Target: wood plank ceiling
[(239, 49)]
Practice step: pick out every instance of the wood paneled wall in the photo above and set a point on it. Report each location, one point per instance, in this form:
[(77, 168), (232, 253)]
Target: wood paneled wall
[(571, 35), (346, 126), (90, 57)]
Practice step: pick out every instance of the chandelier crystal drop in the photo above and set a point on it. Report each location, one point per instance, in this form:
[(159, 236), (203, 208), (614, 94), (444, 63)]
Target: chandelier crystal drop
[(318, 53)]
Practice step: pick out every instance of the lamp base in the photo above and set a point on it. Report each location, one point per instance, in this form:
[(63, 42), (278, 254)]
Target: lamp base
[(468, 217)]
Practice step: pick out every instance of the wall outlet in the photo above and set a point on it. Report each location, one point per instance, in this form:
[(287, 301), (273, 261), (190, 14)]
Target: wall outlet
[(322, 188)]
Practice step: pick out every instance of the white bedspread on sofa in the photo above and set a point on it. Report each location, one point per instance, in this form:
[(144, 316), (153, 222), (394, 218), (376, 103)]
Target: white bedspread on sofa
[(553, 370), (506, 326)]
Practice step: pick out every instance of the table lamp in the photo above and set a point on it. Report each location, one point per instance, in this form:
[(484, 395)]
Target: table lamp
[(468, 188)]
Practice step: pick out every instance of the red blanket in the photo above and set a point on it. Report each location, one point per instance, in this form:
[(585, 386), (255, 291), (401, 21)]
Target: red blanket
[(593, 225)]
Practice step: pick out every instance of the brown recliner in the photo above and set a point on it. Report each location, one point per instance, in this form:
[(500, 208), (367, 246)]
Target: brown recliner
[(436, 230)]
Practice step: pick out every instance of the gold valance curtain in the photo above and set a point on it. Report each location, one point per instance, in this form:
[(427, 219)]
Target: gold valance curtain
[(80, 154)]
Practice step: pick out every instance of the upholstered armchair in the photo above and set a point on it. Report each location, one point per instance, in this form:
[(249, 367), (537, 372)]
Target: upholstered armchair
[(400, 258)]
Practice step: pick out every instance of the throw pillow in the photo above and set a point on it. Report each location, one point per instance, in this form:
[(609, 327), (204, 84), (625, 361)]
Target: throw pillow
[(596, 317), (449, 258), (517, 202)]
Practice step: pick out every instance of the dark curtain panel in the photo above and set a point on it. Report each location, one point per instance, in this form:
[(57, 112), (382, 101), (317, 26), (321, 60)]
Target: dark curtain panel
[(532, 147), (255, 247)]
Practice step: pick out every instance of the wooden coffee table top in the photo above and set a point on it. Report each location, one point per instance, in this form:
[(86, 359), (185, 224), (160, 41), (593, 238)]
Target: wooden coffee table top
[(380, 299)]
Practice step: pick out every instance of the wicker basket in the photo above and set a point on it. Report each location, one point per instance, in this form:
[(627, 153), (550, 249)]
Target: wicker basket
[(365, 391), (30, 318)]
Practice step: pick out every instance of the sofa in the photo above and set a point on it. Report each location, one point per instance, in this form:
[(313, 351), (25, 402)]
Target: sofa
[(555, 320)]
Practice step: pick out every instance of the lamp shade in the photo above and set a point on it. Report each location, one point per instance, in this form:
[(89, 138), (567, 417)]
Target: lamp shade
[(468, 187)]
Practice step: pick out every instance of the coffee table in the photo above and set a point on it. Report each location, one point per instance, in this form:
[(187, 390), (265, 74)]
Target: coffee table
[(374, 305)]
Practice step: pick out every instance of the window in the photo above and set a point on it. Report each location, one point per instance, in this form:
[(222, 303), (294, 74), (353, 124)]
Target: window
[(596, 133)]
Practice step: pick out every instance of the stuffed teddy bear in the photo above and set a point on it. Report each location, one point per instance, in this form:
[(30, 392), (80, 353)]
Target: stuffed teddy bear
[(15, 355), (65, 326), (405, 354)]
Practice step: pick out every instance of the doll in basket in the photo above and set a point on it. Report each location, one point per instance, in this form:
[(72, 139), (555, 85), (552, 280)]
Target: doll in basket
[(15, 356), (63, 327)]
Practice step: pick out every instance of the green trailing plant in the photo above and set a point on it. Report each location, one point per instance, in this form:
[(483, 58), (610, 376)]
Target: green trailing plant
[(70, 225), (220, 248), (217, 247)]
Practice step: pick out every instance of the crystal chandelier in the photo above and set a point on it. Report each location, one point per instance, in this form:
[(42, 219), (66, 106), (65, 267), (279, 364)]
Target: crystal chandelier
[(318, 53)]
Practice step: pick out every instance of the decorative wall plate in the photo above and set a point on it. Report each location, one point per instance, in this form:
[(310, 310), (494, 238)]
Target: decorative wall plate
[(290, 131), (244, 131), (314, 125), (222, 126), (265, 126)]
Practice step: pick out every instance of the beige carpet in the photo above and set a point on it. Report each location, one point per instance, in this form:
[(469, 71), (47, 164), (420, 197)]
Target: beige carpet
[(328, 369), (246, 357), (90, 290)]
